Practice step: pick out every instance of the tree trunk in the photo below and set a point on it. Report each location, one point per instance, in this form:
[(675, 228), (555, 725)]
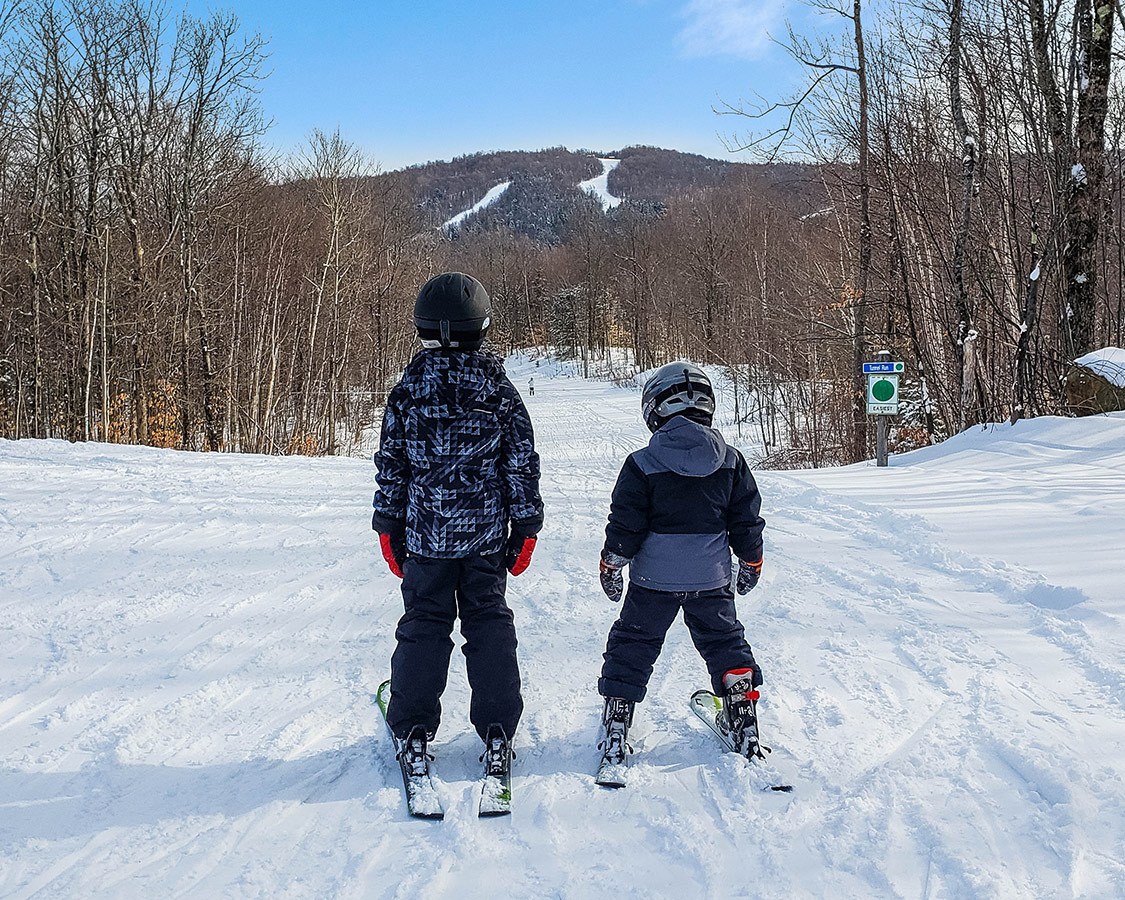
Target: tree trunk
[(863, 270), (966, 334), (1094, 19)]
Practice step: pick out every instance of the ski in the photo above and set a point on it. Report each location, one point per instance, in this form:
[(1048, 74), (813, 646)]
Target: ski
[(495, 796), (709, 708), (496, 788), (422, 800), (611, 773)]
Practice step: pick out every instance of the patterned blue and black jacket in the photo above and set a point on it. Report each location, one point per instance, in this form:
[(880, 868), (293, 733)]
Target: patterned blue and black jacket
[(456, 459)]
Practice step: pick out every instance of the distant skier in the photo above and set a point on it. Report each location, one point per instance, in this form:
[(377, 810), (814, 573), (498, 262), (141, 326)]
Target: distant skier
[(531, 386), (458, 504), (679, 507)]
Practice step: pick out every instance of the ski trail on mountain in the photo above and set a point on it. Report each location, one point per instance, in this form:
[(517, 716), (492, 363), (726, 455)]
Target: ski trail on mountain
[(599, 185), (491, 196)]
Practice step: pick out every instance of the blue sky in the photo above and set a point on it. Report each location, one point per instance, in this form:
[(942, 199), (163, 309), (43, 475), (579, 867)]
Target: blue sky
[(411, 81)]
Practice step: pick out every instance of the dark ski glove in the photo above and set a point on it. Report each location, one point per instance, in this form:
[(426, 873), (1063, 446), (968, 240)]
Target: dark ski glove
[(748, 575), (610, 574)]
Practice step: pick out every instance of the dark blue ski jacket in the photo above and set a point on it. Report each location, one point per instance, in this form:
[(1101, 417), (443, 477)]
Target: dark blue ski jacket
[(680, 506), (456, 459)]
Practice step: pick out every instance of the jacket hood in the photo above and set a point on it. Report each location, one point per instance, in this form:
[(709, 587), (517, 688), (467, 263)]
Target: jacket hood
[(688, 448), (453, 378)]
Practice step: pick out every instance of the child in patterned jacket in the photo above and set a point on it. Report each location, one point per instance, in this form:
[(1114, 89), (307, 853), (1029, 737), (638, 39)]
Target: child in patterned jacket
[(457, 509)]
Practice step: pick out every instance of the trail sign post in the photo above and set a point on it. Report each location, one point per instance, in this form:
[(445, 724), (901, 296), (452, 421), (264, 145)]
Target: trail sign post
[(882, 398)]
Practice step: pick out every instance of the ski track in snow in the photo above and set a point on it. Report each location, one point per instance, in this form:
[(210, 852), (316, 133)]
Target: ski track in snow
[(189, 645)]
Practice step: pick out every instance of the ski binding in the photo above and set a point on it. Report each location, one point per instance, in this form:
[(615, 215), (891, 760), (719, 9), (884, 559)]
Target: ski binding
[(422, 800), (709, 708)]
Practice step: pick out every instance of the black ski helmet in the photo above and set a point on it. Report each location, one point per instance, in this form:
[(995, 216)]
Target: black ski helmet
[(675, 389), (453, 311)]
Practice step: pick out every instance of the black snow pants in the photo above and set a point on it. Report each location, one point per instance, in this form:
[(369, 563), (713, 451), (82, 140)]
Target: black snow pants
[(636, 638), (435, 592)]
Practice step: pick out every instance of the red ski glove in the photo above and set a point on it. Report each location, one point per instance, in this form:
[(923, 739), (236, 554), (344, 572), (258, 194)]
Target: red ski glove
[(518, 556), (388, 545)]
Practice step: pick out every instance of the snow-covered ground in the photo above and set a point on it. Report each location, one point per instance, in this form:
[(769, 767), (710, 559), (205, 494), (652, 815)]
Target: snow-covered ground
[(189, 645)]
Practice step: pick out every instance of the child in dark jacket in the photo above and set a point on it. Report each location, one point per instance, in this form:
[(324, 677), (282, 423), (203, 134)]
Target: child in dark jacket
[(458, 507), (680, 506)]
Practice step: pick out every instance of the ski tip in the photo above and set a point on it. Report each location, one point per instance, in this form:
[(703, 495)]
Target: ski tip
[(383, 696), (611, 776)]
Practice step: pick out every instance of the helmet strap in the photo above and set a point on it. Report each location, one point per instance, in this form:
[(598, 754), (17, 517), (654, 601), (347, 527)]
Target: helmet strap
[(445, 342)]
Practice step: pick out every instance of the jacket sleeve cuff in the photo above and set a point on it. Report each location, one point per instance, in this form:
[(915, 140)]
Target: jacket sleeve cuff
[(386, 525), (752, 554), (614, 560), (527, 527)]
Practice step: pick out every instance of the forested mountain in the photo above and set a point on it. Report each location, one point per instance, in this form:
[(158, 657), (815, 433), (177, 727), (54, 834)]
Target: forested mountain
[(443, 189), (543, 199)]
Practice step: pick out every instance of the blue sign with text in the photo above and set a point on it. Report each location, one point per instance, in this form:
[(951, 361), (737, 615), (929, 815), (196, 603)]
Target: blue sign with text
[(881, 368)]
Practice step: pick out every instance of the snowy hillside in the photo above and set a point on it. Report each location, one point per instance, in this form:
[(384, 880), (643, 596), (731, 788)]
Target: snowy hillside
[(488, 199), (189, 645), (599, 185), (596, 186)]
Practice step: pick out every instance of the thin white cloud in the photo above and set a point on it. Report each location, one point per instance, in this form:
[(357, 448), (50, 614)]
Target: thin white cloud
[(729, 27)]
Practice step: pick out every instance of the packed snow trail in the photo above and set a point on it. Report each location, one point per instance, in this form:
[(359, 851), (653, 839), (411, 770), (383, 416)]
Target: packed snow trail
[(491, 196), (599, 185), (189, 645)]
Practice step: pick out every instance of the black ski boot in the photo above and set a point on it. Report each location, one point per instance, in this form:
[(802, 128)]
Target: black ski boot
[(616, 719), (739, 717), (497, 756), (413, 755), (496, 792)]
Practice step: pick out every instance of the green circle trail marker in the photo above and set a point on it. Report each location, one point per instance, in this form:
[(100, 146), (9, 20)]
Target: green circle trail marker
[(882, 397), (883, 390)]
